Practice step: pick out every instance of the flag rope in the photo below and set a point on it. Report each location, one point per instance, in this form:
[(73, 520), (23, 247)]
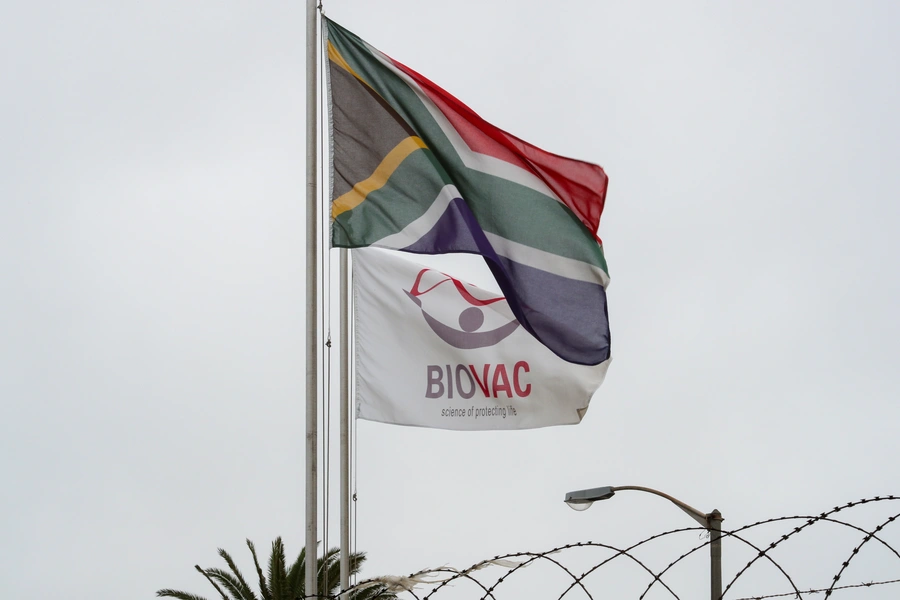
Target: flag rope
[(354, 429)]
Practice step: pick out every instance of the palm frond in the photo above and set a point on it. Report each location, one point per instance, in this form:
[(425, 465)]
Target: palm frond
[(230, 583), (296, 582), (329, 557), (263, 586), (277, 575), (357, 559), (330, 579), (240, 583), (208, 578), (328, 569), (284, 583), (167, 593)]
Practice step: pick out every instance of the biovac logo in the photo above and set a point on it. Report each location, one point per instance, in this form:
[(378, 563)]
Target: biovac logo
[(470, 319), (487, 380)]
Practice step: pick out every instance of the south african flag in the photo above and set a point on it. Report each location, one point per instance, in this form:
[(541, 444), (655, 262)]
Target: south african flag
[(415, 169)]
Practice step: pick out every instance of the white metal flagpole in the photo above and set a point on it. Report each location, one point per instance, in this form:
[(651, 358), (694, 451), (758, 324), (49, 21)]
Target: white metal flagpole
[(312, 299), (345, 420)]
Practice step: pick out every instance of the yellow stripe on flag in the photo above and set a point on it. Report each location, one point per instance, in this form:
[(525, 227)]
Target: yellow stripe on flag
[(335, 57), (376, 180)]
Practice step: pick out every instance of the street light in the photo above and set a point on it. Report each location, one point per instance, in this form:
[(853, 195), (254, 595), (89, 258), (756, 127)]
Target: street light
[(582, 500)]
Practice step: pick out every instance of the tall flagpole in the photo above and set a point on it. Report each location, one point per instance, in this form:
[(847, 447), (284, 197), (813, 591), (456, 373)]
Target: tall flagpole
[(312, 298), (345, 421)]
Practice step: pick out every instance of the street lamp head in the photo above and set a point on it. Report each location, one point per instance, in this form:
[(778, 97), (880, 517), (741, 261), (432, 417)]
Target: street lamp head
[(582, 499)]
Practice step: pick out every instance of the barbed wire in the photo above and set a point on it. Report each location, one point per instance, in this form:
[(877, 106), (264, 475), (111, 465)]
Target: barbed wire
[(842, 587), (428, 583), (810, 520)]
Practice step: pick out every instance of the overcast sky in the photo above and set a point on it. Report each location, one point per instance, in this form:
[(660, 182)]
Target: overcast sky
[(152, 284)]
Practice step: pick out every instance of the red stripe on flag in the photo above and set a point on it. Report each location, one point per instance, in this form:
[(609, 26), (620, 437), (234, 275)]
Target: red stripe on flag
[(580, 185)]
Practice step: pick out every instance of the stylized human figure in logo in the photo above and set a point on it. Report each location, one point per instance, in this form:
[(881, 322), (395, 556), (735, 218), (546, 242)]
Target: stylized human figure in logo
[(471, 319)]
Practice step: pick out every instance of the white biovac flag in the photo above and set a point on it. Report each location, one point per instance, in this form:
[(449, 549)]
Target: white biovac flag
[(434, 351)]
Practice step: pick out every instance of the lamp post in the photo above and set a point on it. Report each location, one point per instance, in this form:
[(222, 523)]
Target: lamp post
[(582, 500)]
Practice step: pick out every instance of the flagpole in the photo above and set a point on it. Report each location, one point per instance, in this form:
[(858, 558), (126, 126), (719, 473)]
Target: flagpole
[(345, 420), (312, 298)]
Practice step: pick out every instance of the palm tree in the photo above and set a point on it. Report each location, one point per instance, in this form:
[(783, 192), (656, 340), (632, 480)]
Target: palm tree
[(283, 582)]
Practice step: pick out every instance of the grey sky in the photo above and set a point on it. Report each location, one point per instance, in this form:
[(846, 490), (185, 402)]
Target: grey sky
[(151, 279)]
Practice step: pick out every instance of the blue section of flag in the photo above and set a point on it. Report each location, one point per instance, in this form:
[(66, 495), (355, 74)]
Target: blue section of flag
[(566, 315)]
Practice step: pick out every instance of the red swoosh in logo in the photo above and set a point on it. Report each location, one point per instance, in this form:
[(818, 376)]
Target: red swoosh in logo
[(466, 337)]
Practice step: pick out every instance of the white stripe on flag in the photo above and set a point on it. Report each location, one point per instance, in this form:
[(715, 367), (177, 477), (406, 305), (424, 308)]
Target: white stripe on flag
[(514, 251), (547, 261), (414, 231)]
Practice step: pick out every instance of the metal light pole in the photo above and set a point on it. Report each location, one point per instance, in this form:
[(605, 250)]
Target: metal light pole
[(582, 500)]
